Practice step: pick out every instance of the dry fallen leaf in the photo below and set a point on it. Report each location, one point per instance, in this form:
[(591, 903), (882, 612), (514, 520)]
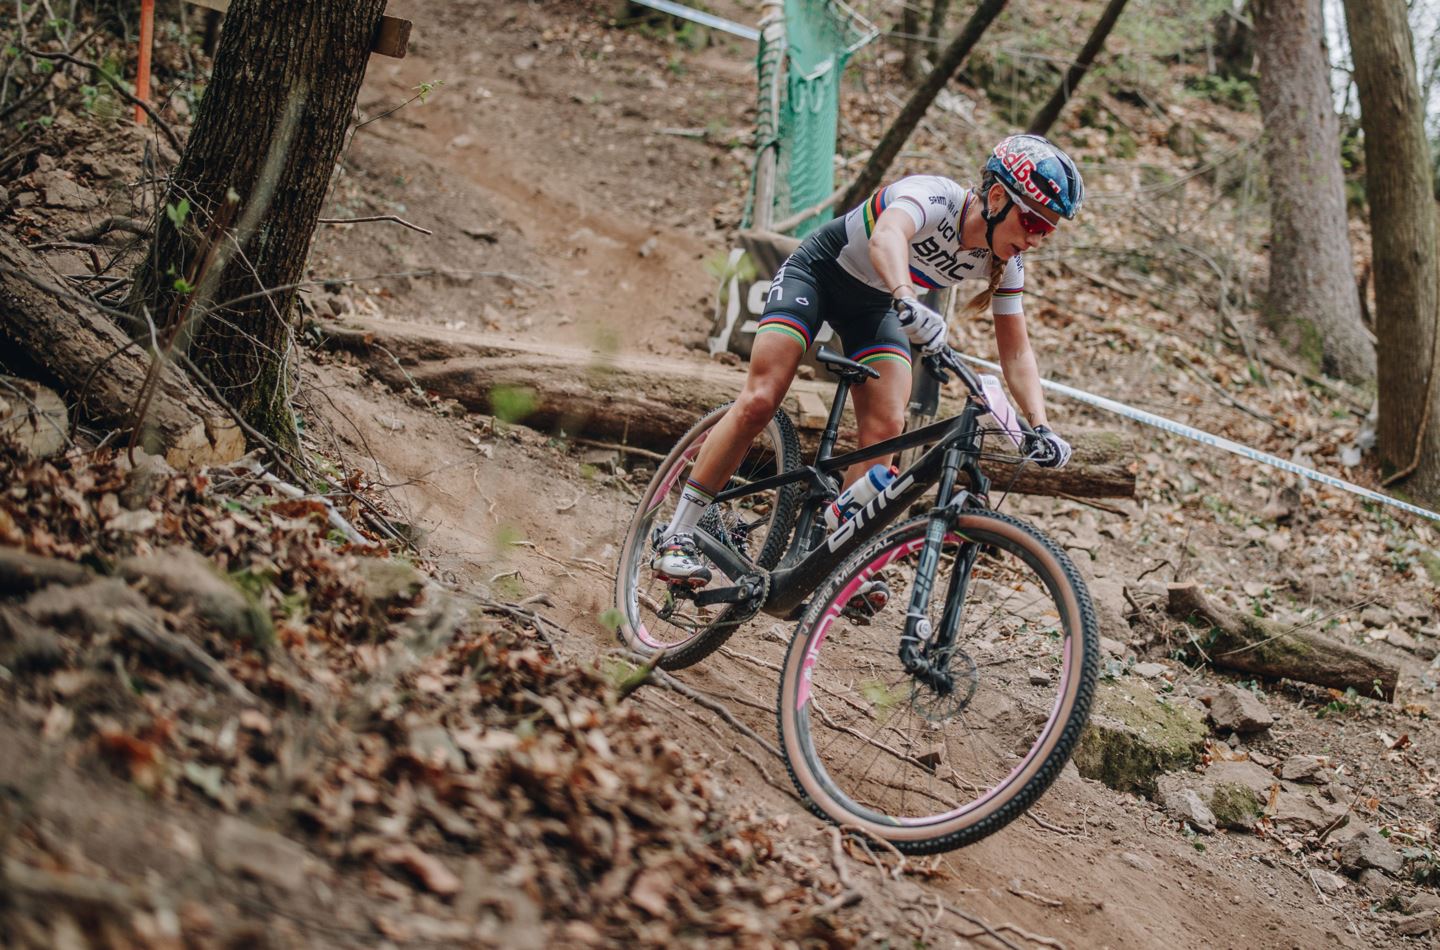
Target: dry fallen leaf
[(428, 869)]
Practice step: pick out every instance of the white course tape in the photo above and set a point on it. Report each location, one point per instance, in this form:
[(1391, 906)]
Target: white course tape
[(703, 18), (1219, 442)]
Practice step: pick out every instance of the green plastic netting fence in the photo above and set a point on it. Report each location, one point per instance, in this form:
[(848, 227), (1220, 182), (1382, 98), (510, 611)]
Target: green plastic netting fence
[(818, 40)]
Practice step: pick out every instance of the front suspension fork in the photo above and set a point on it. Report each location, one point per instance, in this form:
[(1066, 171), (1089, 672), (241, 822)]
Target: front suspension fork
[(920, 647)]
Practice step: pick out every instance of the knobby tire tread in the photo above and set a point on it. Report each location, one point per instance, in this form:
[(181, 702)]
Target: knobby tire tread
[(1070, 733), (787, 504)]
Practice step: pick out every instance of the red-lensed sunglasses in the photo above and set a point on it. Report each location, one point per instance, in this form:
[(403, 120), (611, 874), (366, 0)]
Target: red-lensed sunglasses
[(1029, 220)]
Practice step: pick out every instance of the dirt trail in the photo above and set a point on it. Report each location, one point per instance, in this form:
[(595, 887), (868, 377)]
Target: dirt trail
[(544, 140)]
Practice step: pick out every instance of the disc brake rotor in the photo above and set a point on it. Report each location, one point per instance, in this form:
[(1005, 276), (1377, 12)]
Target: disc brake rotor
[(934, 706)]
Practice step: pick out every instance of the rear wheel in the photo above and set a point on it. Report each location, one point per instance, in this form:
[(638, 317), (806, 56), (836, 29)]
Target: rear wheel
[(757, 526), (927, 768)]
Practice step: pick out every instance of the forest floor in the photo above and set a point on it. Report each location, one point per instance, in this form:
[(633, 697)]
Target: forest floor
[(578, 178)]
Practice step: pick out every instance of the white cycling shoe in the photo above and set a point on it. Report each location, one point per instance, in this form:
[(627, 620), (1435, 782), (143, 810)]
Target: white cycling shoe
[(678, 562)]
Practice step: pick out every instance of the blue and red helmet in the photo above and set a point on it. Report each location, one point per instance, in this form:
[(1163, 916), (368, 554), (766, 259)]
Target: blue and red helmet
[(1038, 172)]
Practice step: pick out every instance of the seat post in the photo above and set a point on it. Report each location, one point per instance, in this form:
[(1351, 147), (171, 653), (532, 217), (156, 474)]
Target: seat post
[(831, 435)]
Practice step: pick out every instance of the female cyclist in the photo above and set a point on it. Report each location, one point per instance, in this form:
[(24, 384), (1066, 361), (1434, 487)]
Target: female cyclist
[(862, 273)]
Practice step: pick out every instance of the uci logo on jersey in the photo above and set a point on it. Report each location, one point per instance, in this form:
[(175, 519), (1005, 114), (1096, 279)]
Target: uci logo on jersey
[(862, 517)]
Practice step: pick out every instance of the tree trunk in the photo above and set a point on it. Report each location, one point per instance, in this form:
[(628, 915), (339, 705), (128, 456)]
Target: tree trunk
[(649, 403), (910, 39), (98, 367), (894, 138), (1402, 227), (1311, 305), (938, 11), (1237, 641), (220, 279), (1048, 113), (1234, 42)]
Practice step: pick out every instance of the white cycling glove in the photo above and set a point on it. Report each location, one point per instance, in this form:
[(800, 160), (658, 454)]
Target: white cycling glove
[(1052, 450), (923, 327)]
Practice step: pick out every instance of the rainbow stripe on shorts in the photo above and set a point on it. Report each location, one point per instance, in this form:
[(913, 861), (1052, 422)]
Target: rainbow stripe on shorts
[(880, 353), (788, 325)]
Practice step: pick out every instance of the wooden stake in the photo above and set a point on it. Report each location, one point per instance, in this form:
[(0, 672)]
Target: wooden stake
[(147, 40)]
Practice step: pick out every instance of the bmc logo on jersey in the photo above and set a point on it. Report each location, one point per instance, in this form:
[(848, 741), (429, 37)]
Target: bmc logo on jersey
[(864, 516)]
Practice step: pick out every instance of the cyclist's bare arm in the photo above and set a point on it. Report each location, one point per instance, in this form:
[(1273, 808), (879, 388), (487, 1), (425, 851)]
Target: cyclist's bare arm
[(890, 250), (1017, 360)]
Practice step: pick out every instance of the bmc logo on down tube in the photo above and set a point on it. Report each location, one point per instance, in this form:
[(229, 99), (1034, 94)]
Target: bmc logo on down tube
[(862, 517)]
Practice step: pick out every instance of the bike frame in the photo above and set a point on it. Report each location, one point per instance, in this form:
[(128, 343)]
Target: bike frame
[(956, 451)]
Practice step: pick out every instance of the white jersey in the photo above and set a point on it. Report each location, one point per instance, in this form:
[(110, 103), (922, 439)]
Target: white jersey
[(937, 206)]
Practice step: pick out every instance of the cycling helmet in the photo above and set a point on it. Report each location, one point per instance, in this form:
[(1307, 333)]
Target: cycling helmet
[(1038, 172)]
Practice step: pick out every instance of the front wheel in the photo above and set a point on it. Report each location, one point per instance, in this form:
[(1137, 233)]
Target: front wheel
[(925, 768), (757, 526)]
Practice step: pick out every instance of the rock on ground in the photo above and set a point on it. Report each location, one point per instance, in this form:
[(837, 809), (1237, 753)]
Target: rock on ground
[(1371, 849), (1134, 735), (1239, 710)]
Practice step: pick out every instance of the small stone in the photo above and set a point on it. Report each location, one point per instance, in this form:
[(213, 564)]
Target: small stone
[(1187, 805), (388, 581), (1416, 926), (524, 61), (1300, 810), (1136, 861), (603, 460), (1263, 760), (1405, 609), (1240, 710), (1371, 849), (1304, 768), (1150, 671), (1112, 647), (1327, 882), (1039, 677), (1403, 641), (649, 246), (1376, 616), (1424, 902), (1374, 882), (62, 191), (148, 479), (266, 856)]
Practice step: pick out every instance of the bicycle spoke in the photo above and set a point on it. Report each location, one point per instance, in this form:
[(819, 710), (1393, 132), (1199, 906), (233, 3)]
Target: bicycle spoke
[(900, 751)]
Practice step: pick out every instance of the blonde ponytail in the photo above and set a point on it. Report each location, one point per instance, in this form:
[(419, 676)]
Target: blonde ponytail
[(980, 303)]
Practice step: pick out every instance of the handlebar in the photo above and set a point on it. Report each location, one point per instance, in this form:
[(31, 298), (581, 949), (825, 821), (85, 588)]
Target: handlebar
[(946, 361)]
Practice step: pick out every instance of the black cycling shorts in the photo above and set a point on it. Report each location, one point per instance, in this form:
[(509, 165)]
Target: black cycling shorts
[(808, 291)]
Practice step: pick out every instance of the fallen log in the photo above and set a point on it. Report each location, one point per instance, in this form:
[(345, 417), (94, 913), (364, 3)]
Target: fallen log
[(648, 402), (87, 357), (1249, 644), (33, 416)]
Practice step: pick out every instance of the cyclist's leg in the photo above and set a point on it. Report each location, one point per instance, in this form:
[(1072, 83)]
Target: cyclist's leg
[(773, 362), (879, 403), (772, 366), (787, 327)]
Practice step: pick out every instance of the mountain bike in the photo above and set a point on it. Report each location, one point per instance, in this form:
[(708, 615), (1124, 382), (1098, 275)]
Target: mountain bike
[(929, 717)]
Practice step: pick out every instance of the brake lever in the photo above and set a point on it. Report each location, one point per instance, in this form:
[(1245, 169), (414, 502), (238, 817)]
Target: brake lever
[(935, 367)]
